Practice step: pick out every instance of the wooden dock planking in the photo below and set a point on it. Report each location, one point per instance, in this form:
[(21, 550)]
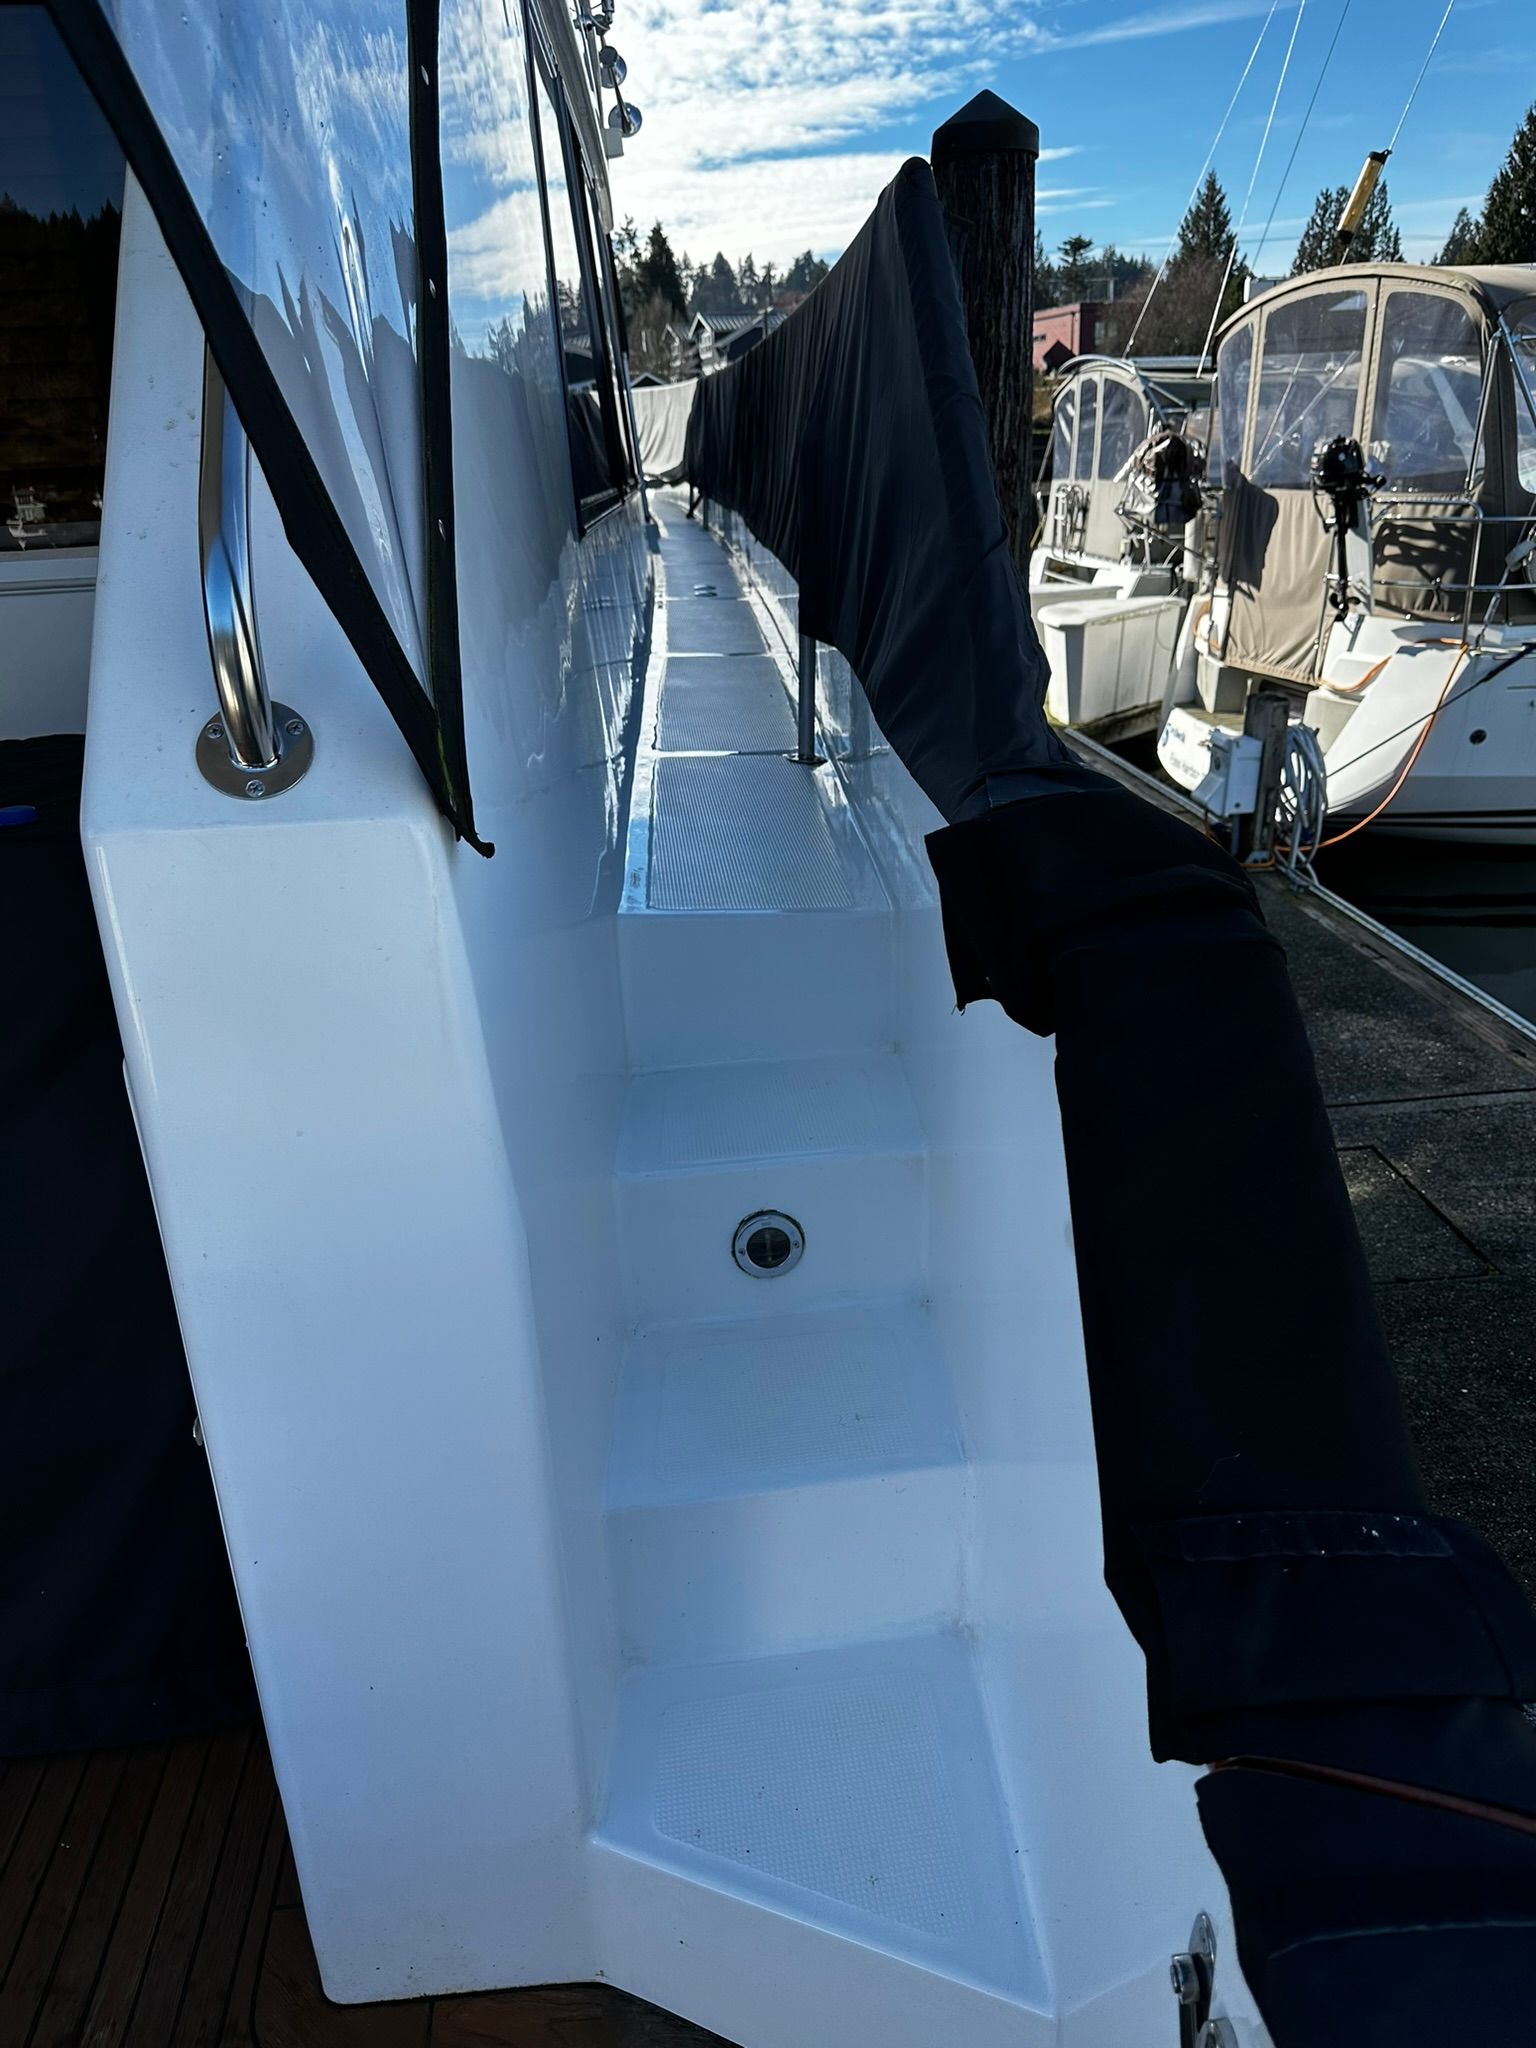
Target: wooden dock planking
[(148, 1899)]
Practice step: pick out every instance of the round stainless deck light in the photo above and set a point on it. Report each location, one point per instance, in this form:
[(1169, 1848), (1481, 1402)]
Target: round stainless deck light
[(767, 1244)]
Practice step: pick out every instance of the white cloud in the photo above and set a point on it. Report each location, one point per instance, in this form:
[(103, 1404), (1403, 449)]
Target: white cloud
[(746, 105)]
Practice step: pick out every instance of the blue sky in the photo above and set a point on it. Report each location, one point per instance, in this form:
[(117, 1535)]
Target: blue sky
[(771, 125)]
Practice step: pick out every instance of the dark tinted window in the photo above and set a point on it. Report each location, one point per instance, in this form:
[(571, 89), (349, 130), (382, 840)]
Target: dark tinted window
[(61, 192), (598, 463)]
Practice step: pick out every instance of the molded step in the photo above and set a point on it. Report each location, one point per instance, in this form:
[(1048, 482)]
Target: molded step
[(711, 1410), (747, 1455), (835, 1143), (851, 1790)]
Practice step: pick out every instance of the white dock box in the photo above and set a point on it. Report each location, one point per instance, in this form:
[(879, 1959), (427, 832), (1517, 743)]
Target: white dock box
[(1108, 658)]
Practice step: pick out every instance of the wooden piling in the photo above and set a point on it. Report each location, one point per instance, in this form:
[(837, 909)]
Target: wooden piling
[(984, 160)]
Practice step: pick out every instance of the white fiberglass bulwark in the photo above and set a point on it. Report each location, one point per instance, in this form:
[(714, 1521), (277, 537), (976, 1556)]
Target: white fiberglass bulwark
[(616, 1612)]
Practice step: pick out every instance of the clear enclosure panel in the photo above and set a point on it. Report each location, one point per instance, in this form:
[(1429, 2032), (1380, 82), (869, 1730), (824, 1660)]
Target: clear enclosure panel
[(1309, 383), (1088, 409), (61, 195), (1064, 420), (1122, 428), (289, 125), (1522, 323), (1428, 383), (1234, 376)]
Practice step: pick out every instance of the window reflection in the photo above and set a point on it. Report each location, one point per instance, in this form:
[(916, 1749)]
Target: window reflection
[(1234, 373), (1523, 327), (61, 189), (1309, 381), (1122, 428), (595, 464), (1088, 406), (1428, 384)]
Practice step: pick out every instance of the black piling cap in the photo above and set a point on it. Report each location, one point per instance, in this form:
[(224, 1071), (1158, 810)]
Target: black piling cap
[(985, 126)]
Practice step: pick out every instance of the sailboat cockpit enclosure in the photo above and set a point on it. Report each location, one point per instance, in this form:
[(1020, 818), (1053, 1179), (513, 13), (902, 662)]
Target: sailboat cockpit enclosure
[(1429, 371), (1103, 414)]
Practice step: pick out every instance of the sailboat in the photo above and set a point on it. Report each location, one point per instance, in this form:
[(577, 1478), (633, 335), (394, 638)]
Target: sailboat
[(1402, 623)]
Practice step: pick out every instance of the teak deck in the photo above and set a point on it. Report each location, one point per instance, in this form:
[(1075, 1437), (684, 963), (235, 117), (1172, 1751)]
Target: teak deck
[(148, 1900)]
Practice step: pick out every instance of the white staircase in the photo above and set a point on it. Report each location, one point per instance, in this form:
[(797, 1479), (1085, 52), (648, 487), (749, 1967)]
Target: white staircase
[(801, 1735)]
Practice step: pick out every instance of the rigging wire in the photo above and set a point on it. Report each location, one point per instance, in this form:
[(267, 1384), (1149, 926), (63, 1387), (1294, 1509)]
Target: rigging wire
[(1290, 162), (1200, 180), (1252, 180), (1434, 45)]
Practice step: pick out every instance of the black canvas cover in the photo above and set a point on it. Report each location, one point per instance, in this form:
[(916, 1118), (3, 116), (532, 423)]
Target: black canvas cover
[(853, 444), (1352, 1664), (117, 1611)]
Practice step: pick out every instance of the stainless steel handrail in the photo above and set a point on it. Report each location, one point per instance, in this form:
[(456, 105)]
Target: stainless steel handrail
[(805, 722), (254, 748)]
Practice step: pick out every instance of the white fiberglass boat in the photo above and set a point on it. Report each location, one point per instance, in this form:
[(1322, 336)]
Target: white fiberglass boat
[(638, 1356), (1408, 641)]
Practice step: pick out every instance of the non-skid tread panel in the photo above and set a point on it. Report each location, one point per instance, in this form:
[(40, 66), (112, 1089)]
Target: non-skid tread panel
[(733, 704), (725, 624), (743, 833)]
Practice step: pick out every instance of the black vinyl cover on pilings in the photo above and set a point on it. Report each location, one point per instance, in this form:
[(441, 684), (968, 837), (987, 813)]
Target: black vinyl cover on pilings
[(853, 444)]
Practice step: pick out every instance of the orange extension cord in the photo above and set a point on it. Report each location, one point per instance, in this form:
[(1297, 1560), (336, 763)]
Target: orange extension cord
[(1462, 651)]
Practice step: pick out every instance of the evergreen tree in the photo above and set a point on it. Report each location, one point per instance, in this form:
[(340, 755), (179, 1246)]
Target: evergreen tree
[(1508, 230), (1070, 277), (1179, 316), (767, 284), (1376, 240), (715, 291), (1315, 250), (805, 273), (657, 273), (1206, 230), (747, 281), (1461, 242)]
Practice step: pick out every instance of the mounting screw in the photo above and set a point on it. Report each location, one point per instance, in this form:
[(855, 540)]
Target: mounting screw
[(215, 732), (255, 789), (294, 727)]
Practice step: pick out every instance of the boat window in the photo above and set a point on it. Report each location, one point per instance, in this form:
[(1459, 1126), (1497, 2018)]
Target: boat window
[(1522, 326), (1088, 407), (1234, 374), (608, 295), (61, 193), (597, 461), (1061, 432), (1122, 429), (1428, 383), (1309, 380)]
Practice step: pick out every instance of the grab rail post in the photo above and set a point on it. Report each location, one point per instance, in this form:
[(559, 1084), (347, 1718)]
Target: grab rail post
[(805, 736), (254, 748), (984, 160)]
